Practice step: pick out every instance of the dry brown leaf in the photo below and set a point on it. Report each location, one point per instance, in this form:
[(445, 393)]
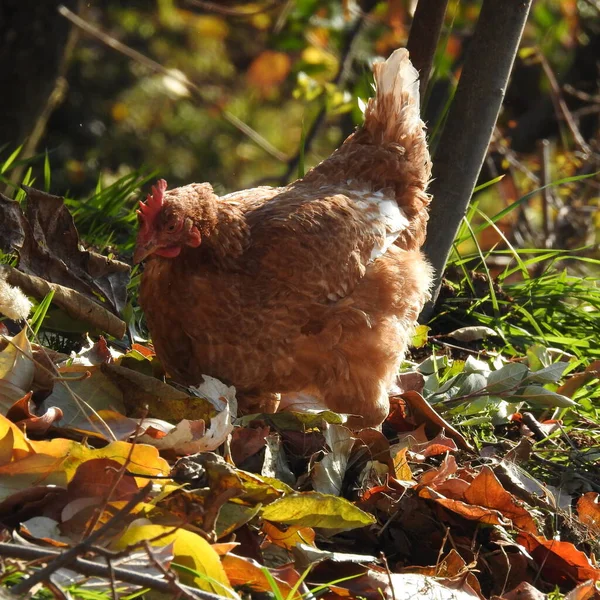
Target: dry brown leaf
[(74, 303), (423, 412), (588, 590), (98, 477), (579, 379), (247, 441), (21, 413), (524, 591)]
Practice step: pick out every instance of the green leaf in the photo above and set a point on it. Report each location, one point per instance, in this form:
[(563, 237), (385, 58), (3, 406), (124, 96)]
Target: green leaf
[(506, 378), (473, 383), (538, 357), (536, 394), (9, 161), (550, 374), (420, 336), (312, 509)]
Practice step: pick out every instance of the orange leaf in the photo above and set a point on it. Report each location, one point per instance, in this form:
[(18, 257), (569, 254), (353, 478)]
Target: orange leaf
[(588, 509), (561, 563), (289, 537), (247, 572), (487, 491)]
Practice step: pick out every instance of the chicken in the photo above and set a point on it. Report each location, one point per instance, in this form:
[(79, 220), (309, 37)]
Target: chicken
[(308, 292)]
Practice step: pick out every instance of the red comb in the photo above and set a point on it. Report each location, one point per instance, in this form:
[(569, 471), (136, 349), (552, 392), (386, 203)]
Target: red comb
[(149, 209)]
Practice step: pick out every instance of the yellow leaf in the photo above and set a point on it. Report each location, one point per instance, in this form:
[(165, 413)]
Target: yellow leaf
[(20, 445), (190, 550), (69, 454), (311, 509), (16, 369), (401, 468), (420, 336)]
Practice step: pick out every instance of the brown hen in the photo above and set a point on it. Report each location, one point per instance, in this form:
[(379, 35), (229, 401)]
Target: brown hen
[(309, 292)]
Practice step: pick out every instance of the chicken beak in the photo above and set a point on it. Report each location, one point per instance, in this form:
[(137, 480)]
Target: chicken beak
[(143, 250)]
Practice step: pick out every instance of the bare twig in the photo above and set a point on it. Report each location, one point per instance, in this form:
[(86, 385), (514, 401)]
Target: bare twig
[(546, 190), (158, 68), (594, 98), (561, 107), (383, 559), (93, 569), (424, 36), (66, 558)]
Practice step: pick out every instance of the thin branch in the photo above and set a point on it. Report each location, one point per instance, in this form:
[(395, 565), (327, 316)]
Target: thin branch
[(94, 569), (560, 106), (66, 558), (346, 55), (111, 42), (546, 190), (424, 37)]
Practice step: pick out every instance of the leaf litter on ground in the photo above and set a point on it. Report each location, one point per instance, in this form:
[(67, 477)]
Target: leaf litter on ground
[(481, 480)]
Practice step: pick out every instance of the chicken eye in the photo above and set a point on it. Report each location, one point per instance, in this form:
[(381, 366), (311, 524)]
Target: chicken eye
[(171, 227)]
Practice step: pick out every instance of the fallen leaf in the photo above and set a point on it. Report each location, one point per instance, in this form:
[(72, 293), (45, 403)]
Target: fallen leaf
[(589, 590), (248, 573), (311, 509), (487, 491), (588, 510), (164, 401), (16, 370), (247, 441), (289, 536), (524, 591), (560, 562), (21, 414), (580, 379), (328, 474), (99, 478), (189, 550), (423, 412)]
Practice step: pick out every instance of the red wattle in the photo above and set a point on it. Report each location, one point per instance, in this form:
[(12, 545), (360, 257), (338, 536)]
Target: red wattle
[(169, 251)]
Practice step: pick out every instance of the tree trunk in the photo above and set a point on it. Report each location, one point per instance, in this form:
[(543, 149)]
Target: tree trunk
[(424, 36), (464, 142)]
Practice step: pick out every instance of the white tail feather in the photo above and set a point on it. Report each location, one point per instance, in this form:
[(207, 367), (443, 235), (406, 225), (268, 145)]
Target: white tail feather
[(394, 112)]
